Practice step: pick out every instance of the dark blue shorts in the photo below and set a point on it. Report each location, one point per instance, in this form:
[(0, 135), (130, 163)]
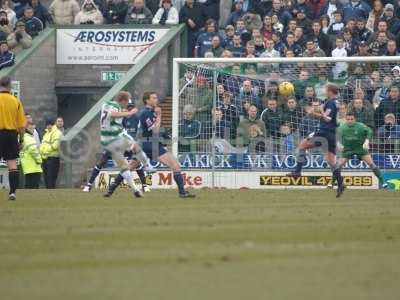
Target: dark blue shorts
[(154, 149), (326, 140)]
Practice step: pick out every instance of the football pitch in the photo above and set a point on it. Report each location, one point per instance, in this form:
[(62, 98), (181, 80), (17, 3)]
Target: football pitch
[(65, 244)]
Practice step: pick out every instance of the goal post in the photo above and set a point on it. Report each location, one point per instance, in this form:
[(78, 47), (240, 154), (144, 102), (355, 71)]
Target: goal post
[(228, 114)]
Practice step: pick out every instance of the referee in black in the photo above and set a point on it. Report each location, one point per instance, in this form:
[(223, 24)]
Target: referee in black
[(12, 125)]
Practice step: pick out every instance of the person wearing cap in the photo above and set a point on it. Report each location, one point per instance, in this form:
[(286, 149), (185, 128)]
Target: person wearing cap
[(89, 14), (356, 9), (236, 14), (363, 49), (12, 126), (166, 14), (50, 153), (33, 25), (392, 21), (303, 21), (19, 39), (5, 26), (7, 58)]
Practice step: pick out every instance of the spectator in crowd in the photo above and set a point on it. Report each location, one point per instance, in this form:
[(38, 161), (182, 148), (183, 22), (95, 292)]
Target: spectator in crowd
[(192, 14), (230, 112), (236, 14), (350, 43), (391, 49), (252, 20), (259, 46), (31, 161), (389, 134), (19, 39), (267, 30), (292, 45), (204, 40), (7, 58), (237, 49), (363, 34), (5, 26), (249, 94), (287, 142), (392, 21), (33, 25), (211, 9), (284, 16), (229, 34), (166, 14), (292, 113), (321, 38), (41, 12), (390, 105), (64, 12), (316, 8), (89, 14), (115, 11), (272, 117), (308, 97), (382, 92), (50, 153), (202, 101), (337, 25), (139, 13), (220, 125), (303, 22), (11, 15), (362, 112), (189, 129), (375, 15), (153, 5), (60, 124), (250, 128), (356, 9), (340, 68), (382, 28), (379, 46), (216, 47)]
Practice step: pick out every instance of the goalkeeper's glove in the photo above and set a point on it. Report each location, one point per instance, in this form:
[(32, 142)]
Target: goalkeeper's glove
[(366, 144), (339, 146)]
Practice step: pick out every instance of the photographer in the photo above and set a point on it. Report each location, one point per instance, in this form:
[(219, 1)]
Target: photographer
[(5, 26), (19, 38), (115, 11), (89, 14)]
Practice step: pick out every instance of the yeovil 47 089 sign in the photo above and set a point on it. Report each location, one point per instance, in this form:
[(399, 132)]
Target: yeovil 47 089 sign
[(105, 46)]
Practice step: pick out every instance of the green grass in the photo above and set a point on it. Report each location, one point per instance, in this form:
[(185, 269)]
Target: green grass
[(224, 245)]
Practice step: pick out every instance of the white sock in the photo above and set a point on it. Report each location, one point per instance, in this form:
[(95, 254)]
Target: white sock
[(129, 179)]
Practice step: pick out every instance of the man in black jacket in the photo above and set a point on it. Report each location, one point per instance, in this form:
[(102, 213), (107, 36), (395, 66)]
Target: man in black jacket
[(323, 40), (193, 15)]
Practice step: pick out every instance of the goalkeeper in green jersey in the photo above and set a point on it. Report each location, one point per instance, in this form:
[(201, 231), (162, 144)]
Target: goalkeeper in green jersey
[(354, 141)]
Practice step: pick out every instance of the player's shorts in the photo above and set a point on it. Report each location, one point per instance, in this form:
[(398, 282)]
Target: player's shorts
[(153, 149), (351, 153), (327, 140), (9, 148), (117, 149)]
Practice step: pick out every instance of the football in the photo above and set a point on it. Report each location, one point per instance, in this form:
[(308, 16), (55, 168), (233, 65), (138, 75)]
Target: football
[(286, 89)]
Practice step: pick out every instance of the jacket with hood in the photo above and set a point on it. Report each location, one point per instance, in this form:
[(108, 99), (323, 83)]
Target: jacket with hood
[(172, 16), (7, 59), (89, 16), (63, 12)]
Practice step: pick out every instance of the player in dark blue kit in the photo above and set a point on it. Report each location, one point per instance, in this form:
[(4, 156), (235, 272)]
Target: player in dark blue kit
[(324, 137), (149, 127), (131, 125)]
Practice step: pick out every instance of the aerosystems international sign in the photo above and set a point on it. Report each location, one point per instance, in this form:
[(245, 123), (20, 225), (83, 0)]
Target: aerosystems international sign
[(105, 46)]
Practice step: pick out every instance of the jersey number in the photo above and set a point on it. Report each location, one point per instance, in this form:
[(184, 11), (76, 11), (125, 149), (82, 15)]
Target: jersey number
[(103, 119)]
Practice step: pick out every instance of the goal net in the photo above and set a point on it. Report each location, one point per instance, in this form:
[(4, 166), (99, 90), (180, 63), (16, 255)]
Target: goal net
[(230, 114)]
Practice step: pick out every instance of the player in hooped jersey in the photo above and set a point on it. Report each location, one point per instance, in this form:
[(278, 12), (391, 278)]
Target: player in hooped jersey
[(130, 124), (324, 137), (149, 127)]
